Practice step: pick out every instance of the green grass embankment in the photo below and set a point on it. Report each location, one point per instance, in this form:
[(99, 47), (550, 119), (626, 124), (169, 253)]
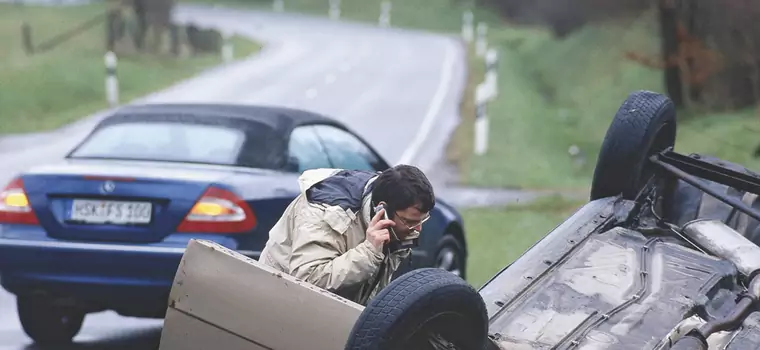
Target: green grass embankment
[(50, 89)]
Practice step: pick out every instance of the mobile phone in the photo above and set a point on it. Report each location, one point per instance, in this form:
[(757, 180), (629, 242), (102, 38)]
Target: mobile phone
[(395, 243), (379, 207)]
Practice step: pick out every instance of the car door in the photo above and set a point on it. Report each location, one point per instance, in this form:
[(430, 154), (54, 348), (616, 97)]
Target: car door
[(347, 151)]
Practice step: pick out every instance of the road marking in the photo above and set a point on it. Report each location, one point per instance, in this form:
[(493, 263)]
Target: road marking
[(330, 78), (434, 108), (311, 93)]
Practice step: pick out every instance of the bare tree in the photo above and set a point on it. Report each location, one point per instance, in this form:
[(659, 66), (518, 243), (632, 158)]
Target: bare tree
[(152, 15)]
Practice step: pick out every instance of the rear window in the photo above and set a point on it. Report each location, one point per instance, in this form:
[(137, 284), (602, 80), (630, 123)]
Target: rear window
[(173, 142)]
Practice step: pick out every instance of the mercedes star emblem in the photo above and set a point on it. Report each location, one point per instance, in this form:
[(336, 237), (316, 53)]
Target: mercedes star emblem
[(108, 186)]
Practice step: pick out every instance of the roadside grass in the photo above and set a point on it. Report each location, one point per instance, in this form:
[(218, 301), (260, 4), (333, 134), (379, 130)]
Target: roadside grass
[(498, 236), (558, 93), (53, 88)]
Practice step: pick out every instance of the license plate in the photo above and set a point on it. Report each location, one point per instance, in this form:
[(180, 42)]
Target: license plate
[(101, 212)]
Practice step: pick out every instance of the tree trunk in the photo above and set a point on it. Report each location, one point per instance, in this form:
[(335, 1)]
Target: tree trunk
[(670, 49)]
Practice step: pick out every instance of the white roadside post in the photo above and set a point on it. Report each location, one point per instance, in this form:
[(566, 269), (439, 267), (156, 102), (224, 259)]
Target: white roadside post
[(334, 9), (278, 5), (112, 82), (228, 53), (385, 13), (492, 72), (467, 27), (481, 45), (481, 120)]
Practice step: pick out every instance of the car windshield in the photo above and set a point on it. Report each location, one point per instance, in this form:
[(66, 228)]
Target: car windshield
[(174, 142)]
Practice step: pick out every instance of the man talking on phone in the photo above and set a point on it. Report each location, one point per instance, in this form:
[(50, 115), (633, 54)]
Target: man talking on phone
[(348, 231)]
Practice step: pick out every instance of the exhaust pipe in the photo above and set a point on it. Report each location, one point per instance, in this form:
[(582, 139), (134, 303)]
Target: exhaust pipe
[(723, 241)]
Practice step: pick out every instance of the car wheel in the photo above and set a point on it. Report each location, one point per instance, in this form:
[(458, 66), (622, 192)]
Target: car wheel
[(422, 306), (644, 125), (450, 256), (48, 324)]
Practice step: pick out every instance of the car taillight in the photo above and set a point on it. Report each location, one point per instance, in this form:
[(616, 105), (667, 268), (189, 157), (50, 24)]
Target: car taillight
[(14, 205), (218, 211)]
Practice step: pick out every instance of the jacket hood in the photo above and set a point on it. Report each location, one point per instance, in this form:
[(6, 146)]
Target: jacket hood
[(346, 189), (311, 177)]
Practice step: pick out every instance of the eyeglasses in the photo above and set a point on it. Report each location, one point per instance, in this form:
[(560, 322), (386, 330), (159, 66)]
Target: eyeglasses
[(412, 224)]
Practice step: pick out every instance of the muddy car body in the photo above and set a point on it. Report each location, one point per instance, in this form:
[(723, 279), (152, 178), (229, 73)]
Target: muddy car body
[(663, 256)]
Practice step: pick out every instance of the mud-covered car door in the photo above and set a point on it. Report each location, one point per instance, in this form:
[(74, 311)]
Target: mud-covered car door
[(223, 300)]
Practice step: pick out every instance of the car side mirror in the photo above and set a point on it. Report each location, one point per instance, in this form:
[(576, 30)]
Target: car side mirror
[(292, 164)]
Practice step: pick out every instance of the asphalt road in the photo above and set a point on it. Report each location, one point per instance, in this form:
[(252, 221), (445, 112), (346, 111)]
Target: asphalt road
[(384, 83)]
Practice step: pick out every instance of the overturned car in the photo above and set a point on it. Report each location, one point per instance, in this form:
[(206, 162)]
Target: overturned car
[(664, 256)]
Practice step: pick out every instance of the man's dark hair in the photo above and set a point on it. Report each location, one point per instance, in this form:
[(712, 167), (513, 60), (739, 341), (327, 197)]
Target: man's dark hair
[(403, 186)]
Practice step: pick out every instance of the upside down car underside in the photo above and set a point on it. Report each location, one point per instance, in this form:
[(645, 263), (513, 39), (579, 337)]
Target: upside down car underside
[(593, 285)]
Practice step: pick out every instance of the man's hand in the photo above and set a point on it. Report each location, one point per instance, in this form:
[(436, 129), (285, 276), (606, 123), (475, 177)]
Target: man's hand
[(377, 232)]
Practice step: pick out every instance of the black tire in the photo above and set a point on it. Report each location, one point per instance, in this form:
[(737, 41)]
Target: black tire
[(644, 125), (48, 324), (417, 303), (450, 256)]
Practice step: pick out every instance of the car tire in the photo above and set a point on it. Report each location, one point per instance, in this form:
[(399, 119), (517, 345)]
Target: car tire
[(450, 256), (644, 124), (422, 301), (48, 324)]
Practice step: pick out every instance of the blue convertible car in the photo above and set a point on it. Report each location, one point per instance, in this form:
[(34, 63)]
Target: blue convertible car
[(106, 227)]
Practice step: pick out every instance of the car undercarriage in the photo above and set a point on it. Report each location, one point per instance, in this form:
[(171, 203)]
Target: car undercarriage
[(616, 275), (671, 265)]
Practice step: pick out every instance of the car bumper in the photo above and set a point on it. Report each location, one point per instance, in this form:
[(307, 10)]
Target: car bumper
[(104, 274)]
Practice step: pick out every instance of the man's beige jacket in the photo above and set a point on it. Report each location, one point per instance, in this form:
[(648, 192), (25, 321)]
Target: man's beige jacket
[(320, 237)]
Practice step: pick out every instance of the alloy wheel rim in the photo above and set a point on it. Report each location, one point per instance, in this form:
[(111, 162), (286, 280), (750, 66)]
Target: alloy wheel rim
[(448, 260)]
